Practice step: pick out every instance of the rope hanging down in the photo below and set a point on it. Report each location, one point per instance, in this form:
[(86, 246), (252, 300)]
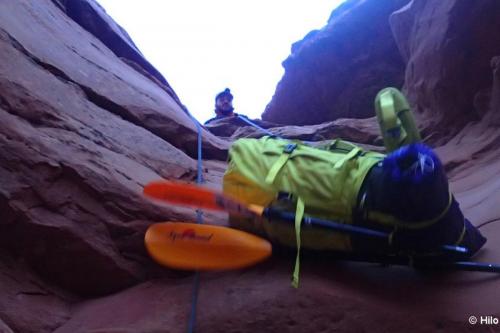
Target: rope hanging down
[(199, 220)]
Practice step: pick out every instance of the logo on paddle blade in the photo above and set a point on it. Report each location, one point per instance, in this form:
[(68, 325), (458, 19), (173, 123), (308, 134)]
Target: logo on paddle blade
[(189, 234)]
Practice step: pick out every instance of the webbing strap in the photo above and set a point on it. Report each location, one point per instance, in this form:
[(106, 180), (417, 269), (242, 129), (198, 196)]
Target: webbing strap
[(280, 163), (341, 145), (353, 153), (299, 214), (393, 130), (389, 117), (393, 221)]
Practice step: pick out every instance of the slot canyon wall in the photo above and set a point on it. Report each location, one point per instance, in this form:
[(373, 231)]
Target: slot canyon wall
[(87, 121)]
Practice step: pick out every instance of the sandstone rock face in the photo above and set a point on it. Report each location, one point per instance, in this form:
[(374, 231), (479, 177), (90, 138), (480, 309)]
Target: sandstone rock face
[(59, 48), (452, 82), (27, 303), (86, 122), (449, 47), (337, 71), (226, 127), (333, 298), (362, 131), (93, 18), (493, 116), (82, 132)]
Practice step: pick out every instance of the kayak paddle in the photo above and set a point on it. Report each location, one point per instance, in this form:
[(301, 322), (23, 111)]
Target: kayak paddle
[(195, 196), (201, 197), (191, 246)]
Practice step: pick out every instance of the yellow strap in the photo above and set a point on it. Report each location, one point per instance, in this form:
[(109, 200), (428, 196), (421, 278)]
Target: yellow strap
[(275, 169), (391, 220), (278, 165), (390, 118), (347, 157), (299, 214)]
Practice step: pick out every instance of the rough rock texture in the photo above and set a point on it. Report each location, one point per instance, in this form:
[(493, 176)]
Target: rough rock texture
[(70, 54), (84, 127), (451, 80), (81, 133), (449, 49), (363, 131), (333, 298), (336, 72), (226, 127), (93, 18), (27, 303)]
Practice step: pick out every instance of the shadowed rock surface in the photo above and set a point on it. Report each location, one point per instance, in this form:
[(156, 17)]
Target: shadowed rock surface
[(227, 127), (81, 133), (336, 72), (449, 48), (86, 123)]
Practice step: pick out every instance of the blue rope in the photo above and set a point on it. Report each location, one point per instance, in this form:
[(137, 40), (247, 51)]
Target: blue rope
[(199, 220), (251, 123), (199, 216), (199, 179), (194, 302), (258, 127)]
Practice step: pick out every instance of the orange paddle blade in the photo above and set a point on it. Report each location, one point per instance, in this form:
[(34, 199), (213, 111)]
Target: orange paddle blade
[(191, 246), (195, 196)]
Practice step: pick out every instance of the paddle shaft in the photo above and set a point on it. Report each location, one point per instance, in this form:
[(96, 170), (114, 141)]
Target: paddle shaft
[(419, 263), (468, 266), (345, 228)]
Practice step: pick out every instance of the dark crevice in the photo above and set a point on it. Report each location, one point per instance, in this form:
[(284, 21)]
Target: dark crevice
[(52, 69), (451, 166), (4, 104), (99, 100), (488, 222), (107, 104), (59, 4), (94, 97), (21, 104)]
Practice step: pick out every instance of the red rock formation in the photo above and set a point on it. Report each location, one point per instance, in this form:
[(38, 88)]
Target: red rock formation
[(337, 71), (93, 18), (448, 47), (452, 49), (82, 131)]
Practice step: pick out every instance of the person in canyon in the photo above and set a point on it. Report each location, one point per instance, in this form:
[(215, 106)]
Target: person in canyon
[(223, 106)]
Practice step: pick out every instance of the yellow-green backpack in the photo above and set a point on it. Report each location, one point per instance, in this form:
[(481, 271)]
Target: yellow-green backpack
[(324, 181)]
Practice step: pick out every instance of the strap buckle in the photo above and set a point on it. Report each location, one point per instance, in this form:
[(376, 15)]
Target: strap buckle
[(289, 148)]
